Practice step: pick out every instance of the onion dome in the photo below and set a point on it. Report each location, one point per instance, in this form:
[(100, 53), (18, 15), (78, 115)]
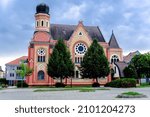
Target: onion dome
[(42, 8)]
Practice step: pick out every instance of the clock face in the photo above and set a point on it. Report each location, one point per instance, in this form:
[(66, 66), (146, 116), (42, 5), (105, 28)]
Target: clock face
[(41, 52), (80, 48)]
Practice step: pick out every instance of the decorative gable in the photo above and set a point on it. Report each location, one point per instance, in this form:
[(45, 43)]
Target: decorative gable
[(80, 34)]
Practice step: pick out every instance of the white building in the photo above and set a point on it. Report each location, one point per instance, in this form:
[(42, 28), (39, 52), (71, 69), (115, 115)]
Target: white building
[(11, 68)]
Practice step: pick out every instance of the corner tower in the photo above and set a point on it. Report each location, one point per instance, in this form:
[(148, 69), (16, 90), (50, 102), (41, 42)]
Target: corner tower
[(42, 18), (39, 48)]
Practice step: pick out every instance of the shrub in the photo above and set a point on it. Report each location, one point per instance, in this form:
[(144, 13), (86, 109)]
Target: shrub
[(58, 84), (4, 85), (122, 83), (19, 84), (95, 84), (3, 81)]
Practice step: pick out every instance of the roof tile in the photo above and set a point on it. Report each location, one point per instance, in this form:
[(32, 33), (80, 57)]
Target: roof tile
[(17, 61)]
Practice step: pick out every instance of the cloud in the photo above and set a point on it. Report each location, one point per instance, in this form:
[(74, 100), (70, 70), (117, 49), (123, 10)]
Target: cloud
[(5, 3), (104, 8), (136, 3), (74, 12), (127, 15)]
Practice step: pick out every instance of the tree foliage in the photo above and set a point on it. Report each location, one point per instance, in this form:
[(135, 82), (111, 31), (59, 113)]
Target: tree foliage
[(24, 70), (95, 64), (139, 66), (130, 72), (60, 63)]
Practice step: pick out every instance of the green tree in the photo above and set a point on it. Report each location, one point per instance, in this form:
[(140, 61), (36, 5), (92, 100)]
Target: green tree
[(24, 71), (130, 72), (95, 64), (147, 65), (60, 63), (140, 66)]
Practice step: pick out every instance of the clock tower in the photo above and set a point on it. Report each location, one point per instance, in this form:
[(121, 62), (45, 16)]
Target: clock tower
[(39, 48)]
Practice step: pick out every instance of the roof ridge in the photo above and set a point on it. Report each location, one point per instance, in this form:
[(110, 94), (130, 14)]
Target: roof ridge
[(16, 60), (57, 31), (73, 25)]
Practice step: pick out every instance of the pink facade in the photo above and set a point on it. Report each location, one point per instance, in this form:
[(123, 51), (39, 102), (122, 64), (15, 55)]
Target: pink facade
[(77, 38)]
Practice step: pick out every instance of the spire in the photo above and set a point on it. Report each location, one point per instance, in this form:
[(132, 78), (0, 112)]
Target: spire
[(113, 42)]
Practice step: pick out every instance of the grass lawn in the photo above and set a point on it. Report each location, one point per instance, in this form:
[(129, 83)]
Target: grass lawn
[(81, 89), (143, 85), (131, 93)]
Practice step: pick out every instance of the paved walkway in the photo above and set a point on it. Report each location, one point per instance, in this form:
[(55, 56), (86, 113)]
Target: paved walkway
[(28, 94)]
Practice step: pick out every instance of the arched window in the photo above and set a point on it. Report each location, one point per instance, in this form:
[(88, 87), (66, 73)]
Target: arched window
[(37, 23), (40, 75), (42, 23), (41, 58), (76, 60), (114, 59), (41, 55)]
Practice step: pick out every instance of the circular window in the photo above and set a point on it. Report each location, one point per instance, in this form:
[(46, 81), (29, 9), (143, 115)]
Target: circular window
[(41, 52), (80, 48)]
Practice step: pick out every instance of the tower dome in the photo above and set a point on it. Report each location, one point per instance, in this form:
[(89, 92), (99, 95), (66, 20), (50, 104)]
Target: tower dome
[(42, 8)]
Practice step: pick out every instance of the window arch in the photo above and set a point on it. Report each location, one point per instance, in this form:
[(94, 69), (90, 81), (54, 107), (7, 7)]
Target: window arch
[(37, 23), (42, 23), (41, 75), (114, 59)]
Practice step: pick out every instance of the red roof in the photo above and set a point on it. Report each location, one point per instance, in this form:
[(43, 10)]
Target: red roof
[(17, 61)]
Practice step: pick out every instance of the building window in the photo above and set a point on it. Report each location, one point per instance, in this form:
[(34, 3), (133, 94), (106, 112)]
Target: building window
[(80, 48), (114, 59), (41, 55), (42, 23), (80, 34), (18, 68), (11, 74), (78, 59), (37, 23), (40, 75), (41, 58)]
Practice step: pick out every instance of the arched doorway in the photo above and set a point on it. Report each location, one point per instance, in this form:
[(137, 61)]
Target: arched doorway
[(40, 75)]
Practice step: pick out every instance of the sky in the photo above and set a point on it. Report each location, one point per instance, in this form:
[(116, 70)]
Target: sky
[(129, 20)]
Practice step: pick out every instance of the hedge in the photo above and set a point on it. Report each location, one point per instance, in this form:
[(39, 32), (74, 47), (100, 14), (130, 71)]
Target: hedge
[(122, 83), (19, 84), (3, 81), (58, 84), (95, 84)]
